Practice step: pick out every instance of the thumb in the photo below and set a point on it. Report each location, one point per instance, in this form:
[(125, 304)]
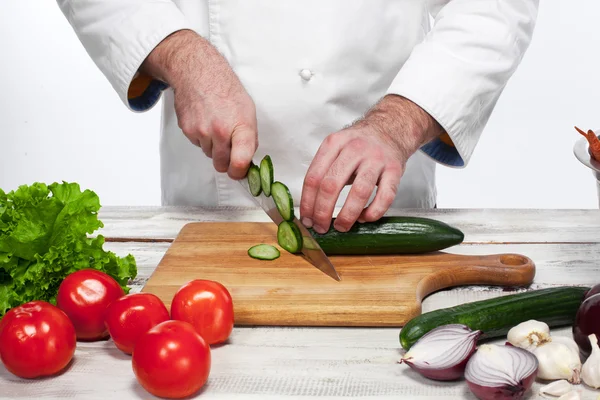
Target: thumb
[(244, 141)]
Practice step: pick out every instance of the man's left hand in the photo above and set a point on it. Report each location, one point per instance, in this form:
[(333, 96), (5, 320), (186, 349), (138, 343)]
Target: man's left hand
[(372, 152)]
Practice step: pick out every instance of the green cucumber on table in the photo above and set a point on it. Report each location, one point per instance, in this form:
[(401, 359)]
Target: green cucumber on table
[(390, 235), (494, 317)]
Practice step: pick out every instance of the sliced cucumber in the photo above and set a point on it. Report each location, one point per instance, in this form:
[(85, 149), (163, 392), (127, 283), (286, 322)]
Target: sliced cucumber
[(390, 235), (263, 252), (283, 200), (289, 236), (254, 180), (266, 174)]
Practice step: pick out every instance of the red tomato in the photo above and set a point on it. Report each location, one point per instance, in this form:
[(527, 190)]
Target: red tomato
[(208, 306), (84, 296), (129, 317), (171, 360), (36, 339)]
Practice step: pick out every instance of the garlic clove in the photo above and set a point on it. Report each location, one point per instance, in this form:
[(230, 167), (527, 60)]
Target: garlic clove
[(558, 361), (529, 334), (556, 388), (590, 373), (572, 395)]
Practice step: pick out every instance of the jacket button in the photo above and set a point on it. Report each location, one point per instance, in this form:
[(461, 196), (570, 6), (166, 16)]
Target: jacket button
[(306, 74)]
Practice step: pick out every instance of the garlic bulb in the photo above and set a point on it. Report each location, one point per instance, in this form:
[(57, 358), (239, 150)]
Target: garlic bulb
[(568, 341), (529, 334), (556, 388), (590, 373), (558, 361)]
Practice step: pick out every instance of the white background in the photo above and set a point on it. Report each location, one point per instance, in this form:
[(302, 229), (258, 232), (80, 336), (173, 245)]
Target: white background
[(61, 120)]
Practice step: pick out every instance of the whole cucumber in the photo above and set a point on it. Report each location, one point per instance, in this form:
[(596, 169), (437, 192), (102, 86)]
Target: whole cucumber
[(390, 235), (494, 317)]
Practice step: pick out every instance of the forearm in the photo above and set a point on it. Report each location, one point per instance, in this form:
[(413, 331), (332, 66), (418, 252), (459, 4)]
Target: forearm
[(183, 56), (407, 125), (171, 57), (213, 109)]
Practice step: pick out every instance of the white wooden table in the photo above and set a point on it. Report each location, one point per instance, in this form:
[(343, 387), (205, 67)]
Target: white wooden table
[(274, 363)]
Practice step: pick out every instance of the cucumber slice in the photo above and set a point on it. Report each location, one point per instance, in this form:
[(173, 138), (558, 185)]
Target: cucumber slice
[(283, 200), (263, 252), (266, 174), (289, 236), (254, 180)]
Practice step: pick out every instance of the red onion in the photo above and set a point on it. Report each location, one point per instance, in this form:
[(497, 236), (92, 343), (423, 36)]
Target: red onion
[(501, 372), (593, 290), (443, 352), (587, 321)]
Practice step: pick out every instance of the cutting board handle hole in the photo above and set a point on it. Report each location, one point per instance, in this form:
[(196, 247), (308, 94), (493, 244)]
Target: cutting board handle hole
[(513, 259)]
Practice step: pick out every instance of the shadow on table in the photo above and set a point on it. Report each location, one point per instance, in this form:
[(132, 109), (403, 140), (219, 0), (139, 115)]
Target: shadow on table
[(13, 379), (141, 393)]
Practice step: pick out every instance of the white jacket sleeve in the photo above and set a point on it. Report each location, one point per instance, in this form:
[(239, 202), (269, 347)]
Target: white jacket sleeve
[(459, 71), (119, 34)]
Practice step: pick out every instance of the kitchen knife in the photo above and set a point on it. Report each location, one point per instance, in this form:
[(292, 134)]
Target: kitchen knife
[(311, 250)]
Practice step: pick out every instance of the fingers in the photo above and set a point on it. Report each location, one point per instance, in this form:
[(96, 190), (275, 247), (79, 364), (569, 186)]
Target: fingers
[(360, 193), (196, 133), (244, 141), (205, 143), (221, 138), (333, 182), (386, 193), (231, 149), (326, 155)]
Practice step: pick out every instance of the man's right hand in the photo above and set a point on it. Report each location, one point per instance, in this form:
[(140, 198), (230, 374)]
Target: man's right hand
[(213, 109)]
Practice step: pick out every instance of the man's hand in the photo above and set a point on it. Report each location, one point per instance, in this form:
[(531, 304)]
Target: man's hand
[(372, 152), (213, 109)]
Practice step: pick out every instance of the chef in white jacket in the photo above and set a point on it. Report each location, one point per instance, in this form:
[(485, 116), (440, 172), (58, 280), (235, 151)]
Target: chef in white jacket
[(354, 100)]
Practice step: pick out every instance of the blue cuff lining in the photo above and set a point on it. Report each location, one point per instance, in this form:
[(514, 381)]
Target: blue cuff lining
[(443, 153), (150, 96)]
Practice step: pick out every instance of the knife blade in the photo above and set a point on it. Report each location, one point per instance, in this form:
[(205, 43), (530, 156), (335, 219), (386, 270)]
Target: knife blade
[(311, 250)]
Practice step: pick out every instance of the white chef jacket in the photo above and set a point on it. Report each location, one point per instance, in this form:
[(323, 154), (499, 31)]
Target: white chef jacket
[(312, 67)]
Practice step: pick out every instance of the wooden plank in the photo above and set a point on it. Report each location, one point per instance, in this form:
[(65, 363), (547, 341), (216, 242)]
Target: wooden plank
[(481, 226)]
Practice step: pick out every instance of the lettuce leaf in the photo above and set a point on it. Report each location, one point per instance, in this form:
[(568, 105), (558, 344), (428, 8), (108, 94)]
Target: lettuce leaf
[(44, 237)]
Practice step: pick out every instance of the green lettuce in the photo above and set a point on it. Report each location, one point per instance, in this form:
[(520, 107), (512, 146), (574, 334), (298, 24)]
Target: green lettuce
[(44, 237)]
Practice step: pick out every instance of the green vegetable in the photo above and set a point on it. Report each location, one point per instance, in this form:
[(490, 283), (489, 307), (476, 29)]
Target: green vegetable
[(283, 200), (43, 238), (495, 316), (289, 237), (264, 252), (266, 175), (254, 180), (390, 235)]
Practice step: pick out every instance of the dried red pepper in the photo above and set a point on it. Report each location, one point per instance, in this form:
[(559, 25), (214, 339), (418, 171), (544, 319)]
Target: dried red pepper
[(593, 141)]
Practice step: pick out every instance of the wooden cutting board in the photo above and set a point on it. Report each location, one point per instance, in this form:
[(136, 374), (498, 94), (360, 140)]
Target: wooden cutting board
[(374, 290)]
